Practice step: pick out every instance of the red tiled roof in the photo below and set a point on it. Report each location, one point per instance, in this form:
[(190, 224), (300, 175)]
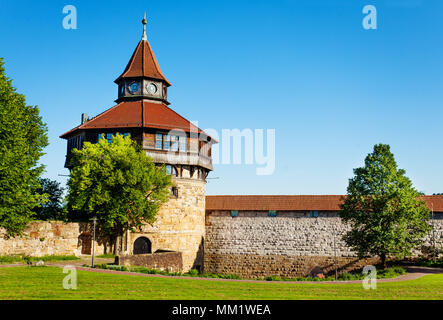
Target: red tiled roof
[(143, 64), (291, 202), (133, 114)]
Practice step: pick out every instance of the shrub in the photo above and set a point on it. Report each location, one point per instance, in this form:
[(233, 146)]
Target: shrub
[(107, 256), (193, 272), (273, 278)]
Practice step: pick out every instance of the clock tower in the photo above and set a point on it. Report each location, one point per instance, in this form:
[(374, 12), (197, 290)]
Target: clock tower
[(142, 77), (143, 113)]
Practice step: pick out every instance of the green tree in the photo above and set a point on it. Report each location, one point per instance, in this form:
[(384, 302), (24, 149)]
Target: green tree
[(52, 209), (385, 212), (22, 139), (117, 183)]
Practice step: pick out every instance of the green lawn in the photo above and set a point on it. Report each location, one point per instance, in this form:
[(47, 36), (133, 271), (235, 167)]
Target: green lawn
[(23, 259), (46, 283)]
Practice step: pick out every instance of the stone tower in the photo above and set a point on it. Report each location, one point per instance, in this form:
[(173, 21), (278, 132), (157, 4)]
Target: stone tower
[(142, 111)]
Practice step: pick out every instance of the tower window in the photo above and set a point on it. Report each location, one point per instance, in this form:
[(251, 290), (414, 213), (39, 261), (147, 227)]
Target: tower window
[(272, 213), (174, 145), (313, 214), (169, 142), (159, 141), (109, 136), (183, 143), (75, 143), (171, 170)]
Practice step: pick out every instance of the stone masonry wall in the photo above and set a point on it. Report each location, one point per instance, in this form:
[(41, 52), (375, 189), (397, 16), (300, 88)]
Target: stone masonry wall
[(42, 238), (171, 261), (291, 244), (180, 225)]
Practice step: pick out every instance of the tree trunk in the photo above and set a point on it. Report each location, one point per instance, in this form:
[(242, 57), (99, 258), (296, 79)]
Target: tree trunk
[(383, 260), (117, 245)]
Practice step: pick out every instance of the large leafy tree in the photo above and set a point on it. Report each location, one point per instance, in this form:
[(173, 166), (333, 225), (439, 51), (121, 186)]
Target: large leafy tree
[(117, 183), (385, 212), (22, 139), (52, 209)]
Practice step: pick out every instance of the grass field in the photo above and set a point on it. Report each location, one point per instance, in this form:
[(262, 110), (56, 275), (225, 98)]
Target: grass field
[(46, 283), (23, 259)]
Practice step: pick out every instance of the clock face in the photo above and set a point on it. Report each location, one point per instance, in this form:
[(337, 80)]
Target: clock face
[(152, 88), (134, 87)]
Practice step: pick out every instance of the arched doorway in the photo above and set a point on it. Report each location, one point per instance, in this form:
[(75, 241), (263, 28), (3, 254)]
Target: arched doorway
[(142, 245)]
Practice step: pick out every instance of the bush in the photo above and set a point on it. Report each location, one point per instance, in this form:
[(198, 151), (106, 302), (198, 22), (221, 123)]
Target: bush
[(273, 278), (430, 263), (107, 256), (390, 272), (193, 272)]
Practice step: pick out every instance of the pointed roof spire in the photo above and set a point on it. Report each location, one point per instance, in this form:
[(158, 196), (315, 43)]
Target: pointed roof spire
[(145, 22), (143, 62)]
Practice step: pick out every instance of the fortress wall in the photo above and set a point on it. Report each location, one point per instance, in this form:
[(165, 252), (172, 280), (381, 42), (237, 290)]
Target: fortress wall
[(290, 245), (42, 238), (180, 226)]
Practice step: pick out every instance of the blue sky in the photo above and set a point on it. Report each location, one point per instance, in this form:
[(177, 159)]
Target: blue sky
[(307, 69)]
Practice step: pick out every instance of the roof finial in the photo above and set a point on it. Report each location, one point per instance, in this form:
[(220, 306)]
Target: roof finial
[(145, 22)]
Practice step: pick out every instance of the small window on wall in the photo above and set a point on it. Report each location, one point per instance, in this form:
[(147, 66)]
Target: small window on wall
[(272, 213), (234, 213), (313, 214)]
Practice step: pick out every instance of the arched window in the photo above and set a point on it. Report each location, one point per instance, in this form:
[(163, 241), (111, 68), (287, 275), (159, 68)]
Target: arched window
[(142, 246)]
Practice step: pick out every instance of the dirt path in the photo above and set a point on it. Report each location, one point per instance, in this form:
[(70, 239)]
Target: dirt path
[(413, 272)]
